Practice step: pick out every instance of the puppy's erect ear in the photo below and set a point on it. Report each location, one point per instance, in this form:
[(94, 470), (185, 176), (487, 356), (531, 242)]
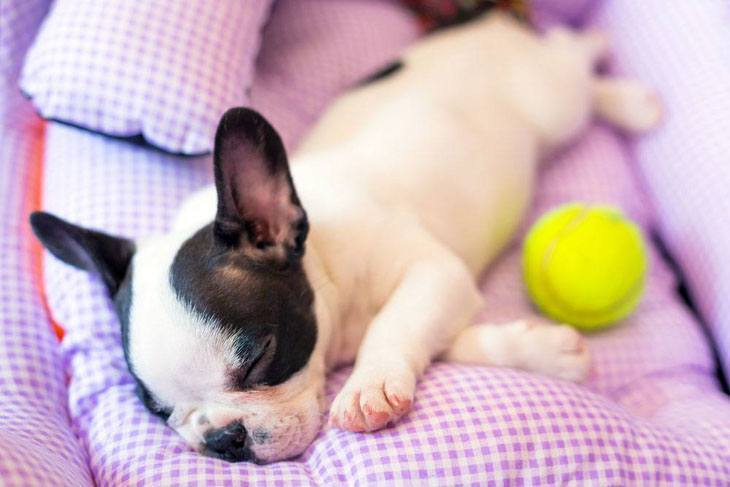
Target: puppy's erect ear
[(257, 204), (92, 251)]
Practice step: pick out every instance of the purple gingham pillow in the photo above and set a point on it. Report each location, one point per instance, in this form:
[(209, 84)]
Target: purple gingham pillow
[(37, 444), (683, 51), (164, 70), (563, 11), (312, 50), (653, 414)]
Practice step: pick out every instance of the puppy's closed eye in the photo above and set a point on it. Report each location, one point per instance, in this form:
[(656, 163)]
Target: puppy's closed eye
[(256, 358)]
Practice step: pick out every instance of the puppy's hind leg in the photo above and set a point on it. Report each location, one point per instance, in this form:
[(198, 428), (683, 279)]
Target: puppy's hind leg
[(533, 345), (626, 103)]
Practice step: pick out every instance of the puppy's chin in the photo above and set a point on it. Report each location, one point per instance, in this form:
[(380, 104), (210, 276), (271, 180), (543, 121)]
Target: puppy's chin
[(280, 422)]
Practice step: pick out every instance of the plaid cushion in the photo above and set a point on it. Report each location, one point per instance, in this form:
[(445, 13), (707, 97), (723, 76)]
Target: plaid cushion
[(19, 22), (683, 52), (312, 50), (164, 70), (37, 445), (651, 412), (572, 12), (643, 417)]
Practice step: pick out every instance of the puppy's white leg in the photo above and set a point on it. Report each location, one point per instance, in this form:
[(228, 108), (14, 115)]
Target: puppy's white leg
[(533, 345), (434, 301), (626, 103)]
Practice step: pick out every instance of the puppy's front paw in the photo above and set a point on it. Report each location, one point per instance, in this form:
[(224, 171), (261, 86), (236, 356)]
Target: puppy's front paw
[(554, 350), (374, 397)]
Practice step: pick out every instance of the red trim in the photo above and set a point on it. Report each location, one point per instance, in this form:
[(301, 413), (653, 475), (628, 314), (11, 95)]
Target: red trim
[(33, 202)]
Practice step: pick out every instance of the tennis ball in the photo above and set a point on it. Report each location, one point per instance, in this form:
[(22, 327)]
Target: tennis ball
[(585, 265)]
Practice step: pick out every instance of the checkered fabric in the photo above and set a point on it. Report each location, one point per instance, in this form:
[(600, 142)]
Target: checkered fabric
[(19, 21), (682, 49), (37, 445), (165, 69), (314, 49), (644, 416), (573, 12), (650, 414)]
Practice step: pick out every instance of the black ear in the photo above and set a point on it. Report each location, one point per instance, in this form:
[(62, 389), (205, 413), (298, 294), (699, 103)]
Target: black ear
[(257, 204), (91, 251)]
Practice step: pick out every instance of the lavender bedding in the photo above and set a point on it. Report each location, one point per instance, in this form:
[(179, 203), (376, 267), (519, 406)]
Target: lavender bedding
[(684, 51), (37, 444), (150, 69), (651, 413)]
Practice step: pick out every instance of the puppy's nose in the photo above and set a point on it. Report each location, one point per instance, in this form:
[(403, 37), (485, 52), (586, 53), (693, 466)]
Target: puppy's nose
[(229, 443)]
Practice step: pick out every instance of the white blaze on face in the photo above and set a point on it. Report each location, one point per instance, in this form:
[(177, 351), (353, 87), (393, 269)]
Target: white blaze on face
[(178, 354)]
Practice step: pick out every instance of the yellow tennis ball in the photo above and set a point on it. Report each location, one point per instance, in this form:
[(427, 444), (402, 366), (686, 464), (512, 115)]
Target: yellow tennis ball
[(585, 265)]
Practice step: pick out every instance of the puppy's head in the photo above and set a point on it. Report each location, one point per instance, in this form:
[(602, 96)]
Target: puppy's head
[(219, 326)]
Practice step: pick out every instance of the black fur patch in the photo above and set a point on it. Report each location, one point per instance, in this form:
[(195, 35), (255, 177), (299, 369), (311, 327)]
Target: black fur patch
[(268, 308), (384, 72), (89, 250)]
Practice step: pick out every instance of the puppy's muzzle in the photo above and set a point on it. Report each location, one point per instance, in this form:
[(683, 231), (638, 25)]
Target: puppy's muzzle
[(231, 443)]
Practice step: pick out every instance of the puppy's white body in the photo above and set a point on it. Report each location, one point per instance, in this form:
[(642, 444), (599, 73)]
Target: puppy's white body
[(412, 186)]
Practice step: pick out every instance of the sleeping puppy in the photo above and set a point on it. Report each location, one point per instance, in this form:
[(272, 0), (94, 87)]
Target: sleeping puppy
[(402, 194)]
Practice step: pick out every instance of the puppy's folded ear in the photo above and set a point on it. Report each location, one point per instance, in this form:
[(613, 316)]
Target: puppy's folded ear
[(258, 207), (92, 251)]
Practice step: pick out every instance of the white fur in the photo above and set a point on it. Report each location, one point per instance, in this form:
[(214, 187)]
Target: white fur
[(161, 328), (412, 186)]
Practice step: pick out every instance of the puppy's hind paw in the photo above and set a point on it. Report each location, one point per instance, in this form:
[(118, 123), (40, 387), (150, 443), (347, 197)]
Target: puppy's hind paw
[(370, 400), (555, 350), (627, 103)]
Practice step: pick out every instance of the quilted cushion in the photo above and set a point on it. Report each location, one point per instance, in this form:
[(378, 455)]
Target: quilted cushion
[(19, 22), (314, 49), (643, 416), (571, 12), (164, 70), (37, 444), (651, 413), (683, 52)]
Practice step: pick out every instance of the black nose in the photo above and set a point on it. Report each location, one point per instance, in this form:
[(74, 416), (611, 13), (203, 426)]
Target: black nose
[(229, 443)]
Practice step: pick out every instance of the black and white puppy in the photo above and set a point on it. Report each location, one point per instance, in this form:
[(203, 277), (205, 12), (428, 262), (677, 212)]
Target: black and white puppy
[(411, 185)]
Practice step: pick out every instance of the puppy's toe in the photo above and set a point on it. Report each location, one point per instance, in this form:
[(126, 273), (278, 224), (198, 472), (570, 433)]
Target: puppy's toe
[(345, 412), (385, 401)]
